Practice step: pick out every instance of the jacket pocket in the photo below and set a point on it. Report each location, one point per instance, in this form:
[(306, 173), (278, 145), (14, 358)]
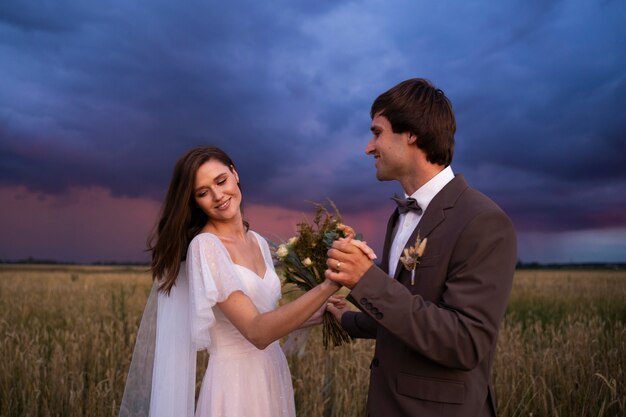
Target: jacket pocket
[(431, 389)]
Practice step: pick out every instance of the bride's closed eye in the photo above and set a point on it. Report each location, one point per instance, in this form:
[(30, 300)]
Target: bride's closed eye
[(221, 179)]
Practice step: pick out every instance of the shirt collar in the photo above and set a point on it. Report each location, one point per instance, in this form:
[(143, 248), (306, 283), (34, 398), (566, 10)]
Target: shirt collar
[(428, 191)]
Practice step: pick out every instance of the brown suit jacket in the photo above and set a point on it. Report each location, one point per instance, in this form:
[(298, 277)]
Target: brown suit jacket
[(436, 339)]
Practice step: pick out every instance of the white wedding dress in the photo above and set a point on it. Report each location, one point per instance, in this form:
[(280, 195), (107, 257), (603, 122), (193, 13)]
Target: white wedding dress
[(240, 380)]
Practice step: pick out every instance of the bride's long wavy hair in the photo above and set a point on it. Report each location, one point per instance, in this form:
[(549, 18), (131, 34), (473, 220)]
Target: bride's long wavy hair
[(181, 219)]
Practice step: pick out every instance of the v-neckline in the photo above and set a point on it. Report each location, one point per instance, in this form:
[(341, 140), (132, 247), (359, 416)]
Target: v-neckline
[(262, 278), (258, 245)]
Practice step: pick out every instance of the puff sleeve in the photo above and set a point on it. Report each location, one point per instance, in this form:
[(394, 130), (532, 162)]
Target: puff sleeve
[(212, 278)]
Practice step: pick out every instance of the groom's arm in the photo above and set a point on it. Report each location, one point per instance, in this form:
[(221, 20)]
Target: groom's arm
[(359, 325), (356, 323), (460, 329)]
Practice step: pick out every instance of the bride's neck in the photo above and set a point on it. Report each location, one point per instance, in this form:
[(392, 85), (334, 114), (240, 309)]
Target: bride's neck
[(231, 230)]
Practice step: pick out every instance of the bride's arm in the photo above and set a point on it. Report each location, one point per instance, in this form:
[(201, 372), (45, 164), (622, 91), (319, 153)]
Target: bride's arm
[(261, 329)]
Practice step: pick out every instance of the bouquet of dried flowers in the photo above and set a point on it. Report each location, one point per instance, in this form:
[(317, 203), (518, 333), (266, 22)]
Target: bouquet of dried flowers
[(303, 262)]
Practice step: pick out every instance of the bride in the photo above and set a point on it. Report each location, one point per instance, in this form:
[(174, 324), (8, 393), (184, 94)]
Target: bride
[(215, 289)]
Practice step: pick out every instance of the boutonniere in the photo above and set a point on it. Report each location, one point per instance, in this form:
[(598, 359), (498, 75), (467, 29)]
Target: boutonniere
[(412, 256)]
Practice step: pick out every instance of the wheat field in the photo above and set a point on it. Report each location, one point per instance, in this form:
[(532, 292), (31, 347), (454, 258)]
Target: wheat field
[(67, 334)]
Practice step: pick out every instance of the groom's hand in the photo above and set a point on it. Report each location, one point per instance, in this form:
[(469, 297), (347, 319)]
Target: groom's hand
[(346, 263), (337, 306)]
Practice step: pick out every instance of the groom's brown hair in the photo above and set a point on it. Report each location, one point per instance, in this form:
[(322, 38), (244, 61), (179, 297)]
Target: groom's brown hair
[(418, 107)]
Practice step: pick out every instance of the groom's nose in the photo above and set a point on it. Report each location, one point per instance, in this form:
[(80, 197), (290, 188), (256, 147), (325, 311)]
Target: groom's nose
[(369, 148)]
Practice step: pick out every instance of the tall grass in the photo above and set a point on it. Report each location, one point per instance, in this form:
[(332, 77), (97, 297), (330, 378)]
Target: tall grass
[(562, 348), (67, 334), (66, 337)]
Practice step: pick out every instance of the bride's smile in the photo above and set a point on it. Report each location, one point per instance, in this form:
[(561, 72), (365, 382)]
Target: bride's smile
[(223, 205)]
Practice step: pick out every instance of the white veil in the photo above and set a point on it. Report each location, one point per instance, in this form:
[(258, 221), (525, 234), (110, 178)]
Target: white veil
[(162, 375)]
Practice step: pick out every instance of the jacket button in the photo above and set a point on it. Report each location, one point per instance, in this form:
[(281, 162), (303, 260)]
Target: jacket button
[(363, 300), (379, 315), (368, 306)]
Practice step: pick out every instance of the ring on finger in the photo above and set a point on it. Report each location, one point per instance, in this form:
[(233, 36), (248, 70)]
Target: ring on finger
[(338, 266)]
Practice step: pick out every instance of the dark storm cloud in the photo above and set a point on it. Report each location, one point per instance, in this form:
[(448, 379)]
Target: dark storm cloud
[(134, 87), (138, 87), (57, 16), (112, 96)]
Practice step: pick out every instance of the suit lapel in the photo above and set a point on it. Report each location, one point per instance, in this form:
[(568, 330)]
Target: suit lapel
[(435, 214), (388, 240)]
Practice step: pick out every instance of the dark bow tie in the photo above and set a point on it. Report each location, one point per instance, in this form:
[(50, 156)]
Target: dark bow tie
[(406, 204)]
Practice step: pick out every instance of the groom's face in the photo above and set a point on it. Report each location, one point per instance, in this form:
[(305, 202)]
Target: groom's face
[(388, 148)]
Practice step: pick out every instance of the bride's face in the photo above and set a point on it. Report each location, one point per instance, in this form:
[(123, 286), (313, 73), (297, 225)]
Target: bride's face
[(216, 191)]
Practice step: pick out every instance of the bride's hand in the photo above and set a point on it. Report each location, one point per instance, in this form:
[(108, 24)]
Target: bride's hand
[(350, 234), (364, 248), (347, 230)]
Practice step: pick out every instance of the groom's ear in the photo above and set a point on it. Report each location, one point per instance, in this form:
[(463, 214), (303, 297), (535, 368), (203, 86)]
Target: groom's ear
[(412, 139)]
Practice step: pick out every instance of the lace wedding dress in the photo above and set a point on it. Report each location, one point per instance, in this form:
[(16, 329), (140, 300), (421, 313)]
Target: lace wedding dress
[(240, 379)]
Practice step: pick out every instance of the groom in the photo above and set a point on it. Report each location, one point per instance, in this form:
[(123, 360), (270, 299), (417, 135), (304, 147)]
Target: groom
[(436, 327)]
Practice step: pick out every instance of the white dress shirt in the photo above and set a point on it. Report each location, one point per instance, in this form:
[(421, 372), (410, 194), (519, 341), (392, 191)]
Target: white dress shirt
[(408, 222)]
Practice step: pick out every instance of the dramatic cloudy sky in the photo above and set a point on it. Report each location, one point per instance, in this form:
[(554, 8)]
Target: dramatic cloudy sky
[(99, 99)]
